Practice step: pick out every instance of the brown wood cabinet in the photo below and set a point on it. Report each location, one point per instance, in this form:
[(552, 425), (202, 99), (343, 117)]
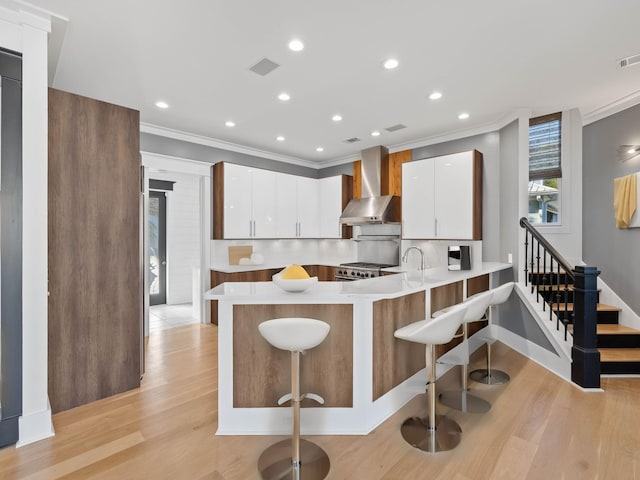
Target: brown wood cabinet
[(95, 286)]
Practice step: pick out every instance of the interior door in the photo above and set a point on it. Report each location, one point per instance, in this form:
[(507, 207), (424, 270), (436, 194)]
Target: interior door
[(10, 246), (157, 259)]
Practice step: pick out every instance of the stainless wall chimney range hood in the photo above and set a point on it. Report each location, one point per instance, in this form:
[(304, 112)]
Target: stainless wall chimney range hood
[(372, 207)]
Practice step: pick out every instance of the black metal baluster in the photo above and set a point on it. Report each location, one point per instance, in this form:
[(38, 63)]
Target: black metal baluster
[(544, 277), (531, 268), (538, 274), (526, 248), (551, 292), (566, 303)]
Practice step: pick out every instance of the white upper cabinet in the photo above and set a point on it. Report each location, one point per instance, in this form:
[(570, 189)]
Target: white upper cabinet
[(442, 197), (331, 195), (264, 203), (418, 216), (298, 207), (249, 202), (287, 205), (257, 203)]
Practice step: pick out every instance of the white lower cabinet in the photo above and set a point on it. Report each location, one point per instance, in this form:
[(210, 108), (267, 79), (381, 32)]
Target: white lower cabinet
[(442, 197)]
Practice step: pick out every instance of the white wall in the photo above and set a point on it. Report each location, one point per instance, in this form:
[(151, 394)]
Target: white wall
[(183, 234), (27, 33)]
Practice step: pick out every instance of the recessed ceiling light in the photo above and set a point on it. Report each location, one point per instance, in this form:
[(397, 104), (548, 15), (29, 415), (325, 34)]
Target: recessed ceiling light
[(463, 116), (337, 118), (435, 96), (296, 45), (390, 63), (319, 149), (161, 104), (284, 97), (280, 138), (375, 133), (229, 123)]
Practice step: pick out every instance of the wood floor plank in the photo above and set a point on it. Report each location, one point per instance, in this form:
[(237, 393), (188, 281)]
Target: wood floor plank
[(539, 426)]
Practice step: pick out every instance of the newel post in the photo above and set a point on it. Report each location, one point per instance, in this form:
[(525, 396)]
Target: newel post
[(585, 367)]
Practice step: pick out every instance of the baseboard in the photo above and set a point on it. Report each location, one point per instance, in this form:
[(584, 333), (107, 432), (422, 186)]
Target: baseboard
[(552, 362), (34, 427)]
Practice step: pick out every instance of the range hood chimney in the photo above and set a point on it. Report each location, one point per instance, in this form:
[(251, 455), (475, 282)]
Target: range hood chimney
[(372, 207)]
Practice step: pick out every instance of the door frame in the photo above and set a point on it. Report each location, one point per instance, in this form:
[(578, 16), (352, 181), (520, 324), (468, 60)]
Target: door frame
[(153, 162)]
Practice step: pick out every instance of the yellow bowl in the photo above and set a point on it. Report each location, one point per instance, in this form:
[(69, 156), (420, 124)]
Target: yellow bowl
[(294, 285)]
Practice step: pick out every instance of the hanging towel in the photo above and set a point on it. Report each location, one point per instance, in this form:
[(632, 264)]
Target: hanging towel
[(625, 199)]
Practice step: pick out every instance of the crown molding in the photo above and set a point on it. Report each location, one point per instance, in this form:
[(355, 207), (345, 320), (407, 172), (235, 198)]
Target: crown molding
[(612, 108), (215, 143), (457, 134), (422, 142)]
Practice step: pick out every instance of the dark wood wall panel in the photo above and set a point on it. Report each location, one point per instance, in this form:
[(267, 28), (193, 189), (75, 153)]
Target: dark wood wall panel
[(476, 285), (395, 360), (262, 373), (443, 297), (217, 229), (477, 195), (94, 251)]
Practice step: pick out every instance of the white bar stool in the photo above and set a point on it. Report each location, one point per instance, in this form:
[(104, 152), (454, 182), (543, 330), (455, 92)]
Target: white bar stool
[(290, 458), (461, 399), (435, 433), (490, 376)]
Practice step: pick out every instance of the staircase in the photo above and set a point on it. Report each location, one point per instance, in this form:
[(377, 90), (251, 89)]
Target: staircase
[(619, 345), (551, 281)]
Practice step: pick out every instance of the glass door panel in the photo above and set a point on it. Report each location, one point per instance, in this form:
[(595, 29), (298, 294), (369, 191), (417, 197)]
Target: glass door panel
[(157, 258)]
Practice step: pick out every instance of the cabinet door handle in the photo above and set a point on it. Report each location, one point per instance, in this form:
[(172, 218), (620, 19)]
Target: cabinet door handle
[(250, 228), (436, 226), (254, 228)]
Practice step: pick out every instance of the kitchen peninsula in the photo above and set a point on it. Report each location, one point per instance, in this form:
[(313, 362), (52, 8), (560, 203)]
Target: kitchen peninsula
[(361, 370)]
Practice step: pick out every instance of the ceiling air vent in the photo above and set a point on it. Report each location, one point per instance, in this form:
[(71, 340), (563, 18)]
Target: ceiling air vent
[(395, 128), (352, 140), (627, 62), (264, 67)]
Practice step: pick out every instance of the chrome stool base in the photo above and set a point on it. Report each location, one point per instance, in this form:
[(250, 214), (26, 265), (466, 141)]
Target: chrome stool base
[(275, 462), (464, 401), (494, 377), (446, 436)]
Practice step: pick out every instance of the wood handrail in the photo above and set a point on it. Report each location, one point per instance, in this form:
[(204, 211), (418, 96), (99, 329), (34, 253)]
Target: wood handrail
[(568, 268)]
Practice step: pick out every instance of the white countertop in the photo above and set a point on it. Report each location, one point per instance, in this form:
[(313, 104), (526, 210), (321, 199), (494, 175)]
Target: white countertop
[(388, 286)]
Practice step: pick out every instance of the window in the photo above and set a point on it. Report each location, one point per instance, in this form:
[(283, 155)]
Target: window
[(545, 169)]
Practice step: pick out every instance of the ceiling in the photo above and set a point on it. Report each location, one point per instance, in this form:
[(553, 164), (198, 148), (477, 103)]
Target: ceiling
[(489, 59)]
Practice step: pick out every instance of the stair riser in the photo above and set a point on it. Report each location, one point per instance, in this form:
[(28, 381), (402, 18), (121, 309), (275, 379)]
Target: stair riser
[(548, 278), (619, 341), (620, 367), (603, 317), (553, 297)]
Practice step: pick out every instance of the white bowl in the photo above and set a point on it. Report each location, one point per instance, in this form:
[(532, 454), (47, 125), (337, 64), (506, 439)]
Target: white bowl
[(294, 285)]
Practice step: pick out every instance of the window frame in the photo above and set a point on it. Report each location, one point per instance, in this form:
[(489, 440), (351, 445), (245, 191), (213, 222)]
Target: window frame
[(563, 167)]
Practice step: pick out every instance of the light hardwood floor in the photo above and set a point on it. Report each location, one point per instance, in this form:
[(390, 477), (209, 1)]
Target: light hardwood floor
[(539, 428)]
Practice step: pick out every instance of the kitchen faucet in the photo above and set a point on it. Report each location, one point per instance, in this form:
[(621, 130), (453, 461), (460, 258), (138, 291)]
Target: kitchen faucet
[(405, 255)]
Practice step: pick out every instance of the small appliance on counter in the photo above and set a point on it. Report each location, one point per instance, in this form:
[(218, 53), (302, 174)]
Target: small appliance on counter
[(459, 257)]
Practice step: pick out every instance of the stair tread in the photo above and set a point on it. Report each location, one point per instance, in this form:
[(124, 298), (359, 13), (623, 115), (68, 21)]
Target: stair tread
[(615, 329), (601, 307), (619, 354)]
